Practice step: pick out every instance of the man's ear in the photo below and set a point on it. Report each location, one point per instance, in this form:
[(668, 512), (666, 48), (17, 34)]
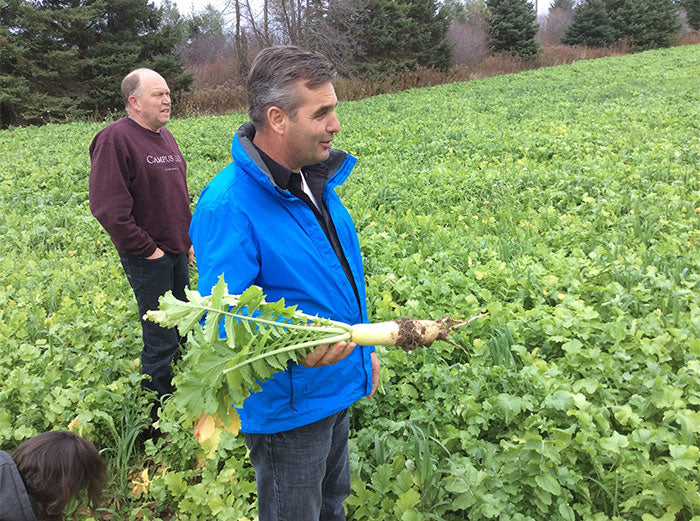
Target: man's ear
[(277, 120), (134, 102)]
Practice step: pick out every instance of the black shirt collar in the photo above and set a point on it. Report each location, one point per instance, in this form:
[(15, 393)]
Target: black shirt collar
[(316, 174), (280, 174)]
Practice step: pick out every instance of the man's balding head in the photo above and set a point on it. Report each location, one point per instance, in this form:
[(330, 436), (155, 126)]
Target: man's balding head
[(131, 84)]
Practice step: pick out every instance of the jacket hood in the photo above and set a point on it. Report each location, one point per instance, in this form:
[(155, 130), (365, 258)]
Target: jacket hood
[(244, 152), (15, 504)]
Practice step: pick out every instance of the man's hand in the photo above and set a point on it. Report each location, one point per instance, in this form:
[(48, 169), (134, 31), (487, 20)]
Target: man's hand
[(190, 256), (376, 368), (327, 355), (156, 254)]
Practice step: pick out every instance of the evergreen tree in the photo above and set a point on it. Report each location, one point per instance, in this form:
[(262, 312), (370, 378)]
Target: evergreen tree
[(207, 22), (206, 38), (465, 11), (512, 27), (455, 10), (131, 33), (40, 63), (13, 88), (591, 26), (564, 5), (396, 35), (64, 59), (692, 10), (646, 24)]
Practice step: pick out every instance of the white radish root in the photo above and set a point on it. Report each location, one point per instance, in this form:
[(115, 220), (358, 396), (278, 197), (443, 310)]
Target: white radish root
[(408, 333)]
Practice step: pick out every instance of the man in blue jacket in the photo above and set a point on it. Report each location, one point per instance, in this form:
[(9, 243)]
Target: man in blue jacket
[(272, 218)]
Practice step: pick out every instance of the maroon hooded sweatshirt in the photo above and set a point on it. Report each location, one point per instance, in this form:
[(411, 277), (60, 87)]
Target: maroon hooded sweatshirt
[(138, 189)]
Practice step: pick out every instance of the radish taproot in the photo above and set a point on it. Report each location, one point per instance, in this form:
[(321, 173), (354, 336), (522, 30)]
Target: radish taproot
[(246, 340), (408, 333)]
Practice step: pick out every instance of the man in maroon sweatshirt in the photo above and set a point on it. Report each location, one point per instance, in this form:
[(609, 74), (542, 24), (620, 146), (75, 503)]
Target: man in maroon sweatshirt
[(138, 192)]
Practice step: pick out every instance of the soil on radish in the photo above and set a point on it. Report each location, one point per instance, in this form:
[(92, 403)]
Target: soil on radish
[(411, 334), (422, 333)]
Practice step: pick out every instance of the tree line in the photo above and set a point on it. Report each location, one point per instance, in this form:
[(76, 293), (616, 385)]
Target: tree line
[(62, 60), (644, 24)]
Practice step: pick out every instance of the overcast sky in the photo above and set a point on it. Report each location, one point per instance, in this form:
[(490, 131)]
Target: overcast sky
[(188, 6)]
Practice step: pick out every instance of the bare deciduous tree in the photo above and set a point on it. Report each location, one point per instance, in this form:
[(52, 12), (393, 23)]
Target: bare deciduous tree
[(553, 26), (258, 22), (290, 15), (470, 43), (332, 32)]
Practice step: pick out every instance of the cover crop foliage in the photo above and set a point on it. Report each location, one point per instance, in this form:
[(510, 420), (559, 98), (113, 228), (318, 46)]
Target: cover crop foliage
[(564, 201)]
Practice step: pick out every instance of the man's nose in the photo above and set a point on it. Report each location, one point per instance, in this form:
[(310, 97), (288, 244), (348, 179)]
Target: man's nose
[(333, 124)]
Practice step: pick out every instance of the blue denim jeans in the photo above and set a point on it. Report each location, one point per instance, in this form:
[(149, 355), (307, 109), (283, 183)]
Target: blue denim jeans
[(303, 474), (150, 279)]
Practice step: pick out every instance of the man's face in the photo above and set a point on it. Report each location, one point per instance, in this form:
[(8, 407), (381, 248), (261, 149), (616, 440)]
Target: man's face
[(152, 108), (309, 135)]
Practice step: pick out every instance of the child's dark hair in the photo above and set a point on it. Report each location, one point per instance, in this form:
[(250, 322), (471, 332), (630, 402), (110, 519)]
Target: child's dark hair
[(55, 467)]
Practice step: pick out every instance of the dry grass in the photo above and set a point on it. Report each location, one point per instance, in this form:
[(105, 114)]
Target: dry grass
[(357, 88), (551, 55), (223, 99), (218, 90), (689, 38)]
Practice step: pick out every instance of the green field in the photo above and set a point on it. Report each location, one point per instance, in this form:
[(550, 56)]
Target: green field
[(565, 201)]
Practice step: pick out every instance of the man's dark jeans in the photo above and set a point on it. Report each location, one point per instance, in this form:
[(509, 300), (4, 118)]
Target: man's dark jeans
[(303, 474), (150, 279)]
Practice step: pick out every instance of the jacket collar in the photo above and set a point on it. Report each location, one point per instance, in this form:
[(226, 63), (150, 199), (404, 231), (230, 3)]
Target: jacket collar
[(244, 138)]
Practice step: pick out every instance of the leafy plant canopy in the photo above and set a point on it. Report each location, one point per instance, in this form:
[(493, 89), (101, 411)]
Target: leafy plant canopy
[(563, 201)]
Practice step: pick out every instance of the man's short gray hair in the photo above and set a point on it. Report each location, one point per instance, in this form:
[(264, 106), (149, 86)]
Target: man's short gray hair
[(273, 78)]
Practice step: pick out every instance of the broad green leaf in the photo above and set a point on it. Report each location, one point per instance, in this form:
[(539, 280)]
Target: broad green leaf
[(689, 420), (402, 482), (211, 326), (585, 384), (408, 390), (175, 483), (572, 346), (566, 512), (510, 405), (668, 516), (546, 480), (560, 400), (381, 478), (614, 443), (407, 501), (411, 515), (626, 416), (684, 456)]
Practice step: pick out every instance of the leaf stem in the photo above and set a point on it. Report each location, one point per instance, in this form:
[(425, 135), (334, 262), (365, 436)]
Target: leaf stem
[(286, 349), (333, 327), (288, 325)]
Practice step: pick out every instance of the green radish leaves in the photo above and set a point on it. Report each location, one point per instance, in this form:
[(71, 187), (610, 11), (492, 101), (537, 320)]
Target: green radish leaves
[(260, 339)]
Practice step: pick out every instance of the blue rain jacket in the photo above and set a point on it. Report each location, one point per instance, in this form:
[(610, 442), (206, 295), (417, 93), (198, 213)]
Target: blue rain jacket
[(253, 232)]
